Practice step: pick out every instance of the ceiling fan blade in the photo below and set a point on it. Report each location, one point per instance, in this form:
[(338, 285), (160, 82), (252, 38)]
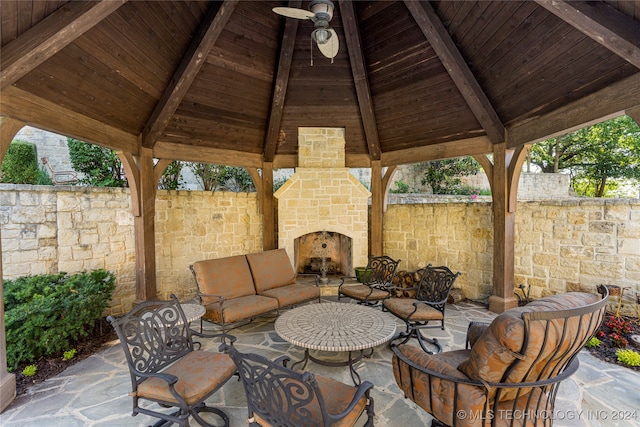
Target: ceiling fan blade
[(331, 47), (291, 12)]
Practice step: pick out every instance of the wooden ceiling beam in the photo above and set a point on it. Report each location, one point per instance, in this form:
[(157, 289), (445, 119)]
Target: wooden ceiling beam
[(49, 36), (443, 45), (200, 154), (601, 22), (280, 85), (213, 24), (447, 150), (605, 104), (359, 71), (46, 115)]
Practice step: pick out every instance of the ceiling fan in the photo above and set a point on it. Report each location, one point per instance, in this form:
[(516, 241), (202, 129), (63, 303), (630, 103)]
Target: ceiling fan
[(320, 13)]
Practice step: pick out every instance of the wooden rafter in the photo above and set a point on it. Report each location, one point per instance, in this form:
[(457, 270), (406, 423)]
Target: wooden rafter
[(280, 85), (601, 22), (210, 29), (51, 35), (459, 71), (359, 71)]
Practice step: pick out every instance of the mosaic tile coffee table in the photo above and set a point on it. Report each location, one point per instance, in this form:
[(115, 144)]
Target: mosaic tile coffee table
[(336, 327)]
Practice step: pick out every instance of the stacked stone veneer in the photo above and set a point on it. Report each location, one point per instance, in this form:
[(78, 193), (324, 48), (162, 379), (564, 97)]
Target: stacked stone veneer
[(323, 195), (561, 246), (51, 230)]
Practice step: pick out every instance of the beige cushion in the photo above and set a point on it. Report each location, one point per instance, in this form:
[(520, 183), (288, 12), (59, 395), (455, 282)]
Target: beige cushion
[(229, 277), (271, 269), (241, 308)]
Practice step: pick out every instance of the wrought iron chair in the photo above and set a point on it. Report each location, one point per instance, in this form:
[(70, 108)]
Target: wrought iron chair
[(511, 373), (431, 294), (279, 396), (164, 365), (378, 277)]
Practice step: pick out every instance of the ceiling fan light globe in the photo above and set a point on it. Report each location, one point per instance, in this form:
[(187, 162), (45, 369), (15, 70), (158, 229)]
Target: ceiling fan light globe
[(321, 35)]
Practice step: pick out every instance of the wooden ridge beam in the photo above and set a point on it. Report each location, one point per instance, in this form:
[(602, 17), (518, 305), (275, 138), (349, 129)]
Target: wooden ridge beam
[(49, 36), (603, 105), (446, 150), (46, 115), (441, 42), (199, 154), (185, 74), (280, 85), (601, 22), (359, 71)]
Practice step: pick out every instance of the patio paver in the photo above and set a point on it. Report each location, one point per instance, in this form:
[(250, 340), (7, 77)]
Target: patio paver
[(93, 392)]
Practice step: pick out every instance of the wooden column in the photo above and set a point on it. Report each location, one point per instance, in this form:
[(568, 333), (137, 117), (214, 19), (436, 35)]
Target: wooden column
[(268, 208), (376, 247), (143, 183), (8, 129), (504, 175)]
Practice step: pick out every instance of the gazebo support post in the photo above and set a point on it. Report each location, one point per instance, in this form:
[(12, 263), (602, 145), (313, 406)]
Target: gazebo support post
[(8, 129), (268, 209), (377, 196), (504, 175), (143, 183)]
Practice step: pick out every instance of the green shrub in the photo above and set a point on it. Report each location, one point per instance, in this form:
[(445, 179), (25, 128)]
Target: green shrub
[(628, 357), (29, 370), (45, 314), (20, 164), (69, 354), (594, 342)]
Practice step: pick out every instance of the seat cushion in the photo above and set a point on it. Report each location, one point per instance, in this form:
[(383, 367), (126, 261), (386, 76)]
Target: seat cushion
[(241, 308), (229, 277), (437, 395), (271, 269), (199, 373), (337, 397), (293, 294), (361, 292), (502, 343), (403, 307)]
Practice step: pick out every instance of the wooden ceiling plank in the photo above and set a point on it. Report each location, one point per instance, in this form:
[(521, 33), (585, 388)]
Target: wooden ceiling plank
[(214, 22), (602, 105), (462, 76), (603, 23), (280, 85), (359, 71), (48, 37), (46, 115), (465, 147)]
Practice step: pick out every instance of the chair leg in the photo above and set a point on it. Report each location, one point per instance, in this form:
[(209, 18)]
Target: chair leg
[(195, 412)]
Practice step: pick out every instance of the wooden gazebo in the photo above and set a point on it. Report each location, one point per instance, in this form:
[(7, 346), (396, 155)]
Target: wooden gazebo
[(229, 82)]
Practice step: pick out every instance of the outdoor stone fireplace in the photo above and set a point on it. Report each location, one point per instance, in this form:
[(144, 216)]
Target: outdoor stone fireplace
[(323, 203)]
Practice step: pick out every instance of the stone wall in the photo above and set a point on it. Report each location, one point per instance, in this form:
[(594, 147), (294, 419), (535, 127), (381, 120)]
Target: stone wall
[(71, 229), (560, 245)]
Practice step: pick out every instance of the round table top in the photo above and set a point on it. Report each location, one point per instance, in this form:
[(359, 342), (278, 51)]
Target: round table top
[(331, 326), (192, 311)]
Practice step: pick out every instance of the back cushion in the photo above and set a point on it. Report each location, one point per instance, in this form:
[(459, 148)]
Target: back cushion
[(229, 277), (271, 269), (501, 344)]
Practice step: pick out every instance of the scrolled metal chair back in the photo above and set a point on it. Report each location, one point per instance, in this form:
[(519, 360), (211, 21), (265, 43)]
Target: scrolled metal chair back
[(156, 335), (435, 285), (381, 270), (276, 394)]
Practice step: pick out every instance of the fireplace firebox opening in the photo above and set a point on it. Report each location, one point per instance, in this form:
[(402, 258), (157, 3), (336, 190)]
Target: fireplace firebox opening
[(328, 249)]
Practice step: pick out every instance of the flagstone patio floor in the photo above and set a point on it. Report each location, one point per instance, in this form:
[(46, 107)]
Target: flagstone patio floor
[(94, 392)]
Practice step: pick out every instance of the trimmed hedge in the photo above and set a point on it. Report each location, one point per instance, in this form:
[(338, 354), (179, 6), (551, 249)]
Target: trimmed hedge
[(46, 314), (20, 165)]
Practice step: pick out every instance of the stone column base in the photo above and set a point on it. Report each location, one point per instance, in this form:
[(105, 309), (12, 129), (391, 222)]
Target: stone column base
[(500, 304), (7, 389)]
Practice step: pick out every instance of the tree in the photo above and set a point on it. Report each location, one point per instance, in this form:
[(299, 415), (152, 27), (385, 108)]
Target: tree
[(443, 175), (213, 177), (100, 166), (171, 178), (595, 156)]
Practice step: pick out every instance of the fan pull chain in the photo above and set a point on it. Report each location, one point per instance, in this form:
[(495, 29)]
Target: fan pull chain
[(311, 50)]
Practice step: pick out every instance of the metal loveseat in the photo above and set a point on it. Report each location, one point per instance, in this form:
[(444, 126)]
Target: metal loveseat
[(510, 372)]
